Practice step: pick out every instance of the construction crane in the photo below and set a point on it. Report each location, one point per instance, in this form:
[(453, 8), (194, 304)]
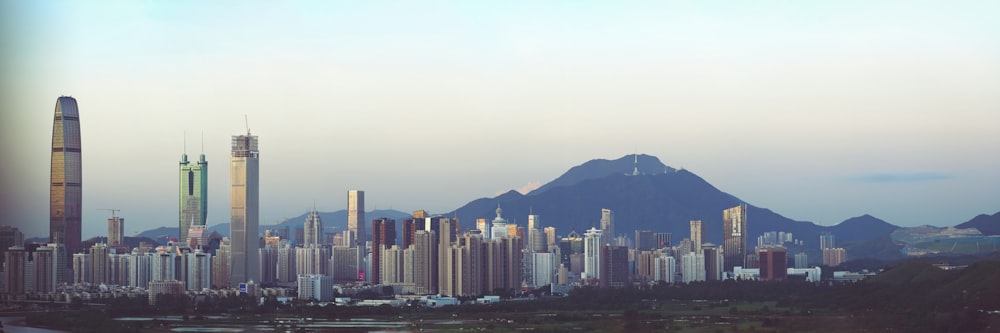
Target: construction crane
[(112, 211)]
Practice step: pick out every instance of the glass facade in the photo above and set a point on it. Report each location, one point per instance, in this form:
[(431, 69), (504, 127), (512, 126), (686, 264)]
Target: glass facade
[(193, 194), (734, 231), (66, 177)]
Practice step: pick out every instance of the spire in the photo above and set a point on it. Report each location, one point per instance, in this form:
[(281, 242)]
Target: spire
[(499, 211)]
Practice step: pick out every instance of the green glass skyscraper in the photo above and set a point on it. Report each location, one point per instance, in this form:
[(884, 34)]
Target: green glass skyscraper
[(193, 197)]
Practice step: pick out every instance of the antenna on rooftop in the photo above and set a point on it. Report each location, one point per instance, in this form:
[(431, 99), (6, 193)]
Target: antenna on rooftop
[(202, 142), (185, 142), (247, 121)]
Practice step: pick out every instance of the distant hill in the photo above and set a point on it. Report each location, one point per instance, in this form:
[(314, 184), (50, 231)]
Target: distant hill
[(600, 168), (987, 224), (657, 201)]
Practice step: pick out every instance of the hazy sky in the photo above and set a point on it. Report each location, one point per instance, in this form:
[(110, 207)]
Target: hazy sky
[(818, 110)]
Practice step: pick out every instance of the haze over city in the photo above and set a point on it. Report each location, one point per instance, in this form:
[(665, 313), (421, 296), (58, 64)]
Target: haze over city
[(817, 111)]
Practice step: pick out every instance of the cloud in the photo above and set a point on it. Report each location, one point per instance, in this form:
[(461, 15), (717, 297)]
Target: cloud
[(901, 177)]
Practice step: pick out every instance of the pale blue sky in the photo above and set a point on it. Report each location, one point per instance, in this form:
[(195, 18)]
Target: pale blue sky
[(818, 110)]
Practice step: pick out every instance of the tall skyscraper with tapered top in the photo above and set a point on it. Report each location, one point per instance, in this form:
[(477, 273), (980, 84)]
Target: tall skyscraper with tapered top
[(193, 194), (66, 177), (356, 217), (734, 237), (244, 193)]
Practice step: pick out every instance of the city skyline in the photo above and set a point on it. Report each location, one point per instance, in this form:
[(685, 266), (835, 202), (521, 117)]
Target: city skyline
[(819, 112)]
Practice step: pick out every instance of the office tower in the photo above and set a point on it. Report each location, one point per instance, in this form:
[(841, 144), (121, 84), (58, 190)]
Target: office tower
[(607, 226), (534, 239), (383, 237), (662, 240), (569, 245), (644, 240), (99, 258), (347, 264), (193, 190), (801, 260), (312, 259), (313, 229), (693, 267), (81, 268), (116, 231), (65, 190), (286, 263), (268, 264), (713, 262), (499, 228), (542, 268), (826, 240), (550, 238), (773, 263), (614, 267), (734, 237), (221, 267), (16, 261), (9, 236), (484, 228), (244, 210), (664, 268), (592, 253), (199, 272), (834, 256), (316, 287), (356, 217), (697, 232), (425, 262)]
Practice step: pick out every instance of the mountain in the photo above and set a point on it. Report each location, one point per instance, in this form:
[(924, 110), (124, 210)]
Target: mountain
[(987, 224), (331, 221), (657, 201), (600, 168)]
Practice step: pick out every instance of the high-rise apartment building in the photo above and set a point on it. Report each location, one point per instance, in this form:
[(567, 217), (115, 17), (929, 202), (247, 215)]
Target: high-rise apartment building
[(221, 268), (644, 240), (193, 194), (614, 267), (550, 238), (734, 237), (607, 226), (286, 269), (834, 256), (313, 229), (484, 228), (346, 264), (713, 262), (425, 262), (199, 271), (268, 264), (66, 177), (693, 267), (697, 232), (312, 259), (356, 217), (100, 257), (801, 260), (826, 240), (15, 279), (592, 253), (9, 236), (244, 197)]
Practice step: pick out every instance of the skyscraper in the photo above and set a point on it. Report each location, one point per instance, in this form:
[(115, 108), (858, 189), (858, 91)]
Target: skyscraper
[(116, 230), (499, 228), (356, 217), (244, 209), (383, 237), (697, 232), (66, 177), (734, 234), (193, 194), (592, 254), (826, 240), (313, 229), (773, 263), (607, 226)]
